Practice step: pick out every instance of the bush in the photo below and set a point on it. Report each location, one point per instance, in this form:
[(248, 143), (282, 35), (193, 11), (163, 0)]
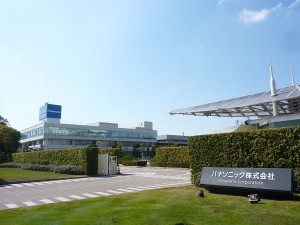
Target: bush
[(171, 157), (10, 165), (195, 178), (128, 158), (134, 163), (37, 167), (86, 158), (90, 164), (75, 170), (297, 181), (49, 168), (269, 148)]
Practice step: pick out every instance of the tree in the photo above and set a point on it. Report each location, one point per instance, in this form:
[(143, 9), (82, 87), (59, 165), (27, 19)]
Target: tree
[(135, 151), (3, 121), (9, 141), (116, 145)]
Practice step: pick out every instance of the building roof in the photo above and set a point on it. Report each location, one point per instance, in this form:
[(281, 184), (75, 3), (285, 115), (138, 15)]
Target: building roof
[(258, 105)]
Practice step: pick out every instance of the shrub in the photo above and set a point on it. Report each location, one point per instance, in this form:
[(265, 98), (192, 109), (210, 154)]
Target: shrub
[(90, 164), (269, 148), (37, 167), (134, 163), (297, 181), (195, 178), (50, 168), (68, 170), (86, 158), (127, 159), (10, 165), (171, 157)]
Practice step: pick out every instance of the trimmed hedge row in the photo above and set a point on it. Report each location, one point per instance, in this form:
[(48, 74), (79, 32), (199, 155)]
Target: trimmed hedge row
[(75, 170), (269, 148), (134, 163), (85, 158), (171, 157)]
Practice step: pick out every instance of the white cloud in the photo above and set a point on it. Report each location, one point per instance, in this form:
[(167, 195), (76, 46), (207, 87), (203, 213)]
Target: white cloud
[(294, 4), (251, 16)]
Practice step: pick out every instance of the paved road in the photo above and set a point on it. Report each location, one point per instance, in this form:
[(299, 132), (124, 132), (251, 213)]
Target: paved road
[(132, 180)]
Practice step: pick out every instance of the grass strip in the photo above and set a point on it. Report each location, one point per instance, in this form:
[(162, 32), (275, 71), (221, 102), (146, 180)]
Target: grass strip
[(179, 206)]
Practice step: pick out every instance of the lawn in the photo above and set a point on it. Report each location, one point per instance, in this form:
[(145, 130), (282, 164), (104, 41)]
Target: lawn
[(17, 174), (165, 206)]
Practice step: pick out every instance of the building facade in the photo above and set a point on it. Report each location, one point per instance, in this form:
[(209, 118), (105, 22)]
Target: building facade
[(50, 133), (172, 140)]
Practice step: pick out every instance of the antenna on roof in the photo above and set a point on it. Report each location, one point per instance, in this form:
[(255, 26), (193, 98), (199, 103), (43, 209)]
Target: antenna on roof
[(272, 80), (273, 89), (293, 79)]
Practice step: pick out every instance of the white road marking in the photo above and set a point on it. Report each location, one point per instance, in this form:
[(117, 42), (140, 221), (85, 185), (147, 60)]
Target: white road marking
[(125, 190), (135, 189), (8, 186), (57, 181), (147, 188), (97, 178), (90, 195), (151, 174), (152, 186), (161, 185), (29, 203), (47, 201), (38, 183), (47, 182), (115, 192), (18, 185), (11, 206), (63, 199), (76, 197), (102, 193)]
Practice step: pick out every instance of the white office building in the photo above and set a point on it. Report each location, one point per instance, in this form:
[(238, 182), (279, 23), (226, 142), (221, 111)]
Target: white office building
[(50, 133)]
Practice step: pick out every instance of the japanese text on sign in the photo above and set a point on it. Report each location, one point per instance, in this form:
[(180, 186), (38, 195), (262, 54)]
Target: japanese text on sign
[(245, 175)]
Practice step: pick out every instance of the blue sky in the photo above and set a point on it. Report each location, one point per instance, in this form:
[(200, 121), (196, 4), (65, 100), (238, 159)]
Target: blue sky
[(132, 60)]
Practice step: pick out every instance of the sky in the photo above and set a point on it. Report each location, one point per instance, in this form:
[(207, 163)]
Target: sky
[(128, 61)]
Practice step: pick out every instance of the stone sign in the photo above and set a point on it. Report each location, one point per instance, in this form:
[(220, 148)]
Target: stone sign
[(272, 179)]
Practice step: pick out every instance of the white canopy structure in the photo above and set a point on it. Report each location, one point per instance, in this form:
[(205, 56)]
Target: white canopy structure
[(258, 105), (277, 107)]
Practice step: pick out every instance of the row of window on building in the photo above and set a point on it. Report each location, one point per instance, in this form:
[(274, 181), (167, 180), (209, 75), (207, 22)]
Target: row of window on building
[(61, 131)]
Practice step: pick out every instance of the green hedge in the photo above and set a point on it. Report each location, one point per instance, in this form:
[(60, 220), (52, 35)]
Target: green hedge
[(134, 163), (76, 170), (112, 152), (171, 157), (86, 158), (269, 148), (127, 158)]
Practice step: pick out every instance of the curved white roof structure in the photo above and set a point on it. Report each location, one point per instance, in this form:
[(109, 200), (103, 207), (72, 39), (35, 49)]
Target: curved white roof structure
[(257, 105)]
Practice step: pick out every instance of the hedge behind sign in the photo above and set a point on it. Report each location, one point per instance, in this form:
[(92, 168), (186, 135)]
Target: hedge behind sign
[(269, 148), (171, 157)]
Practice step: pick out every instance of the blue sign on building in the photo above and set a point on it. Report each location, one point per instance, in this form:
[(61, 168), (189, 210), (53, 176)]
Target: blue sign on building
[(50, 111)]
